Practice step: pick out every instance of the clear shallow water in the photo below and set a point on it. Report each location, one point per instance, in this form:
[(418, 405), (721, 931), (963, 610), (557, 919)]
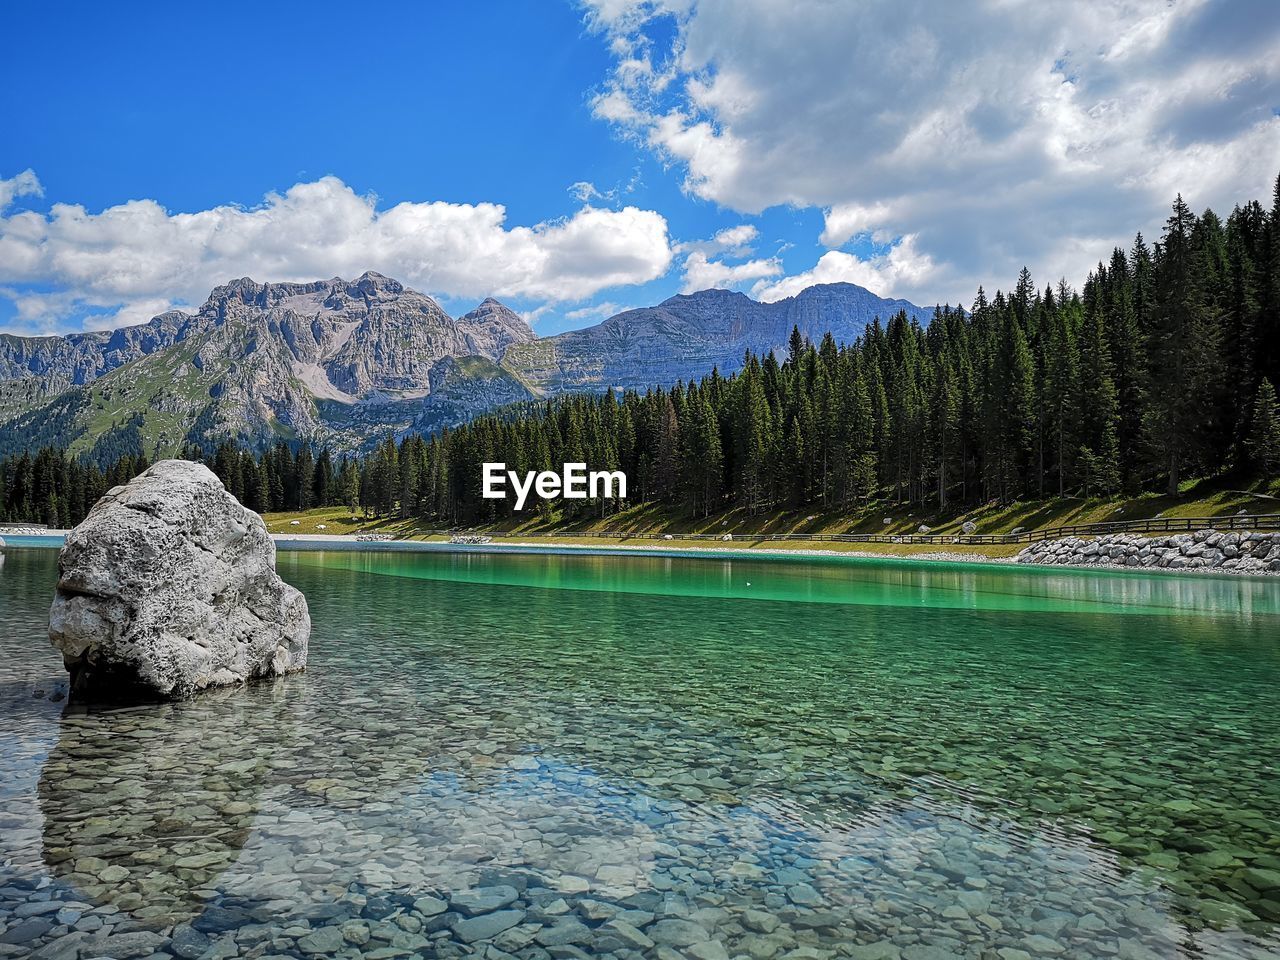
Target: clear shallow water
[(629, 755)]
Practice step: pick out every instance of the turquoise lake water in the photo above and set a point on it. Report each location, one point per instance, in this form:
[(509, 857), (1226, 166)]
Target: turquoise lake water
[(534, 755)]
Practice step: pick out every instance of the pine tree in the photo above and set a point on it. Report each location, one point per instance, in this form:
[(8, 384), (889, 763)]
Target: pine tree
[(1061, 397), (702, 457), (1129, 362), (1011, 423), (322, 484), (304, 475), (795, 463), (795, 345), (1099, 411), (253, 490), (1023, 297), (753, 438), (666, 463), (1264, 432), (944, 421), (1182, 352), (861, 451), (410, 463), (1267, 333)]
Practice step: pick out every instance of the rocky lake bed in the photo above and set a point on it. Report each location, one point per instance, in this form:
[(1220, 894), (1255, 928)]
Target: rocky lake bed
[(556, 757)]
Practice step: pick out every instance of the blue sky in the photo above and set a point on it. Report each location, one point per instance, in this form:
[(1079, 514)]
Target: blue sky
[(880, 145)]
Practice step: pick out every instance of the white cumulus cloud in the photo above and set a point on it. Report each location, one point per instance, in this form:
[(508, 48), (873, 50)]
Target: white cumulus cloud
[(701, 273), (595, 311), (137, 257), (995, 133), (25, 184), (736, 239), (848, 220)]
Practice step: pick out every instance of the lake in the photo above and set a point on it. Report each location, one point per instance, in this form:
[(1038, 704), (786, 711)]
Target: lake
[(535, 755)]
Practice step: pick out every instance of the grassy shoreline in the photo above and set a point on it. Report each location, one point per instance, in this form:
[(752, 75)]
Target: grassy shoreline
[(1195, 500), (643, 526)]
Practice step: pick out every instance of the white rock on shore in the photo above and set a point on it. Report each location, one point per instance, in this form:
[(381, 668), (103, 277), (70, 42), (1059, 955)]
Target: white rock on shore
[(1204, 549), (169, 587)]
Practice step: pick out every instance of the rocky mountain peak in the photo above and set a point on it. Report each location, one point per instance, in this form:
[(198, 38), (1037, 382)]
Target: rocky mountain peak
[(710, 296), (850, 297), (245, 289), (334, 293), (839, 287), (248, 292), (490, 310), (374, 286), (494, 326)]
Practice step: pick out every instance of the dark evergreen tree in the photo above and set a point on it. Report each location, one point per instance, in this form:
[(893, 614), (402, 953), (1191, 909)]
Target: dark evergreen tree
[(1182, 351), (1264, 431)]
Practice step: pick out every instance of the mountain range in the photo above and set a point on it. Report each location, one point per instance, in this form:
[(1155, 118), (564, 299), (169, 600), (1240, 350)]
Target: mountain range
[(343, 363)]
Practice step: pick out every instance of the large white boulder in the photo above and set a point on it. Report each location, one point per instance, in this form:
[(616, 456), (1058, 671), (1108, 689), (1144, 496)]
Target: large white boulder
[(169, 587)]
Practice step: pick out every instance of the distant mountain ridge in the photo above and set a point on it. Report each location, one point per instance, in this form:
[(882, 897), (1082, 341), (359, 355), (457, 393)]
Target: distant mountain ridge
[(686, 335), (344, 363)]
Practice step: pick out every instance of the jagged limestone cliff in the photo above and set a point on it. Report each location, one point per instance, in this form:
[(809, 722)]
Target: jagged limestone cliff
[(338, 362)]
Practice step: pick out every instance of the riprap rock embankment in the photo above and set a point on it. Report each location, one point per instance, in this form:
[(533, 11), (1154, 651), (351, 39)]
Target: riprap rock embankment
[(1204, 549)]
